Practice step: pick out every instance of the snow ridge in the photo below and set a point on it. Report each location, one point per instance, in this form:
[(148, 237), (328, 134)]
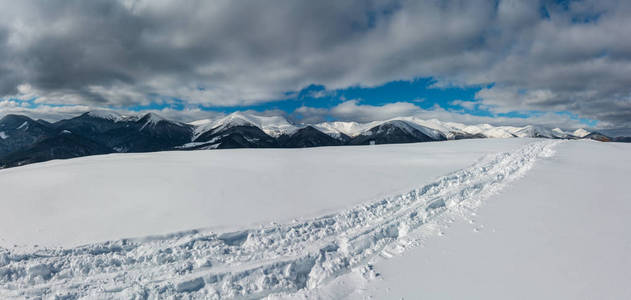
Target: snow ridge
[(112, 115), (580, 132), (152, 120), (274, 126), (268, 260), (106, 114)]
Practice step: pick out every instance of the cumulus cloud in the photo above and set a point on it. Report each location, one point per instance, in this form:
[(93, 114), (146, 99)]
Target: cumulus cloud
[(352, 110), (48, 113), (470, 105), (538, 55)]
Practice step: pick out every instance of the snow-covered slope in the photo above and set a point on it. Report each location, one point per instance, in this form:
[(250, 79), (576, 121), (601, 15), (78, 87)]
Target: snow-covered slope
[(151, 120), (539, 131), (112, 115), (345, 132), (353, 129), (485, 130), (438, 130), (561, 232), (336, 128), (127, 195), (422, 126), (580, 132), (105, 114), (544, 240), (448, 130), (128, 205), (274, 126)]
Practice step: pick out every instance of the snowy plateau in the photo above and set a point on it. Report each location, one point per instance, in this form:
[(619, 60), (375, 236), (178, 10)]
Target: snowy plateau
[(518, 218)]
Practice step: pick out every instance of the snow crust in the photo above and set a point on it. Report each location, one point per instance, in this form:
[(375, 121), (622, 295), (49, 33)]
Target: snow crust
[(272, 260)]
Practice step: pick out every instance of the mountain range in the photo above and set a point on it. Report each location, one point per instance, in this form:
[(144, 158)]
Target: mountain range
[(24, 140)]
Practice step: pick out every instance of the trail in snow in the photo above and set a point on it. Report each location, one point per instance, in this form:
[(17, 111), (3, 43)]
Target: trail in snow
[(279, 258)]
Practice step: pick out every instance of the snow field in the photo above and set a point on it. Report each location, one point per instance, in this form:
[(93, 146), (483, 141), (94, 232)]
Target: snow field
[(269, 260), (560, 232), (101, 198)]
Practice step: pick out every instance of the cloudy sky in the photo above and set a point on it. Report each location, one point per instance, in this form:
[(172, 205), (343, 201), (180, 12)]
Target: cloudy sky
[(562, 63)]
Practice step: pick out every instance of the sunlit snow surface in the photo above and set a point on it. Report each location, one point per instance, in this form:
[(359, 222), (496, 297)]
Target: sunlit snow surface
[(107, 197), (560, 232), (307, 257)]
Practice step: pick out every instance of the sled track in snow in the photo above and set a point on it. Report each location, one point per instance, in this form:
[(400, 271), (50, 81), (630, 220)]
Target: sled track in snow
[(258, 262)]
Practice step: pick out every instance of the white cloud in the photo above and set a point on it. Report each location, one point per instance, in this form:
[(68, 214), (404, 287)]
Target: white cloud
[(56, 113), (470, 105), (353, 111), (234, 53)]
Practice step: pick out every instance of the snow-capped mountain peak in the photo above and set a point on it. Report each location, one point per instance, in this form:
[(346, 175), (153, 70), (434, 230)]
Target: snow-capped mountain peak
[(152, 119), (428, 128), (105, 114), (231, 120), (533, 131), (580, 132), (353, 129), (274, 126), (98, 132), (337, 128), (112, 116), (558, 132)]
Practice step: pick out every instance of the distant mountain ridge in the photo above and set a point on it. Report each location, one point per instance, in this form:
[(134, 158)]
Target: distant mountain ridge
[(24, 140)]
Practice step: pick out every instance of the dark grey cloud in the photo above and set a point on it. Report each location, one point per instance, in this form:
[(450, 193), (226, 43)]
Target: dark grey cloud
[(226, 53)]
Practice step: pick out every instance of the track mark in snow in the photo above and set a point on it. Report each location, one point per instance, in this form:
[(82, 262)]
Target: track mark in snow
[(262, 261)]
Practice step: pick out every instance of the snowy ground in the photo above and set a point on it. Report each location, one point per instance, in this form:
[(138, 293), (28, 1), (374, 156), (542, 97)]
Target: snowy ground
[(109, 197), (557, 233), (561, 232)]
